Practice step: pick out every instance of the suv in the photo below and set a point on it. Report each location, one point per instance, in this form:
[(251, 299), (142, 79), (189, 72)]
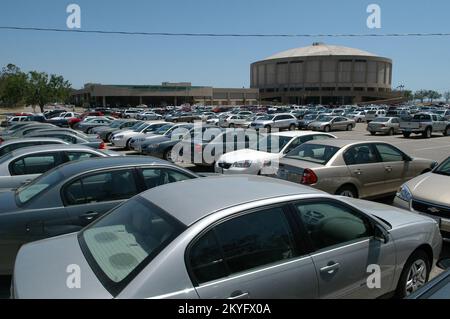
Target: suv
[(373, 114), (279, 121), (425, 124)]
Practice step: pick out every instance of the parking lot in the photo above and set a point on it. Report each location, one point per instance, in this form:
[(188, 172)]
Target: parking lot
[(437, 148)]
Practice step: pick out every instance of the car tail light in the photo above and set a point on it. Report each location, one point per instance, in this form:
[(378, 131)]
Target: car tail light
[(198, 148), (102, 146), (308, 177)]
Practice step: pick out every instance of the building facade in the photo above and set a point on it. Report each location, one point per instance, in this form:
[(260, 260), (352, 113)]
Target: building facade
[(162, 95), (323, 74)]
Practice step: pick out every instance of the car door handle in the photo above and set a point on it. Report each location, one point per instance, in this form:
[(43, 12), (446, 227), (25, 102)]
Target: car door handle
[(239, 295), (90, 216), (358, 172), (331, 268), (388, 169)]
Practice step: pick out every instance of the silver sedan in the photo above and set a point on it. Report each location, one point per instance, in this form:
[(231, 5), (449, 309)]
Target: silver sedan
[(265, 239), (332, 123), (384, 125)]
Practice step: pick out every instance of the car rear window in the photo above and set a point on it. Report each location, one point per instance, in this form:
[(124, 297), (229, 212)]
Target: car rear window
[(26, 193), (381, 120), (315, 153), (124, 241)]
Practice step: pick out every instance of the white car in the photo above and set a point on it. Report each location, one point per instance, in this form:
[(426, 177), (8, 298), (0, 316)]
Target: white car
[(262, 157), (123, 139), (359, 116)]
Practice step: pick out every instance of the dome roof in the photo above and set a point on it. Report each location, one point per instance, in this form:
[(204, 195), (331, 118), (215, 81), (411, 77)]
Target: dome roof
[(320, 49)]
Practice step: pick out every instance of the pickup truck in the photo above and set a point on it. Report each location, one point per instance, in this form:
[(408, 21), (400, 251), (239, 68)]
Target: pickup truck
[(425, 124)]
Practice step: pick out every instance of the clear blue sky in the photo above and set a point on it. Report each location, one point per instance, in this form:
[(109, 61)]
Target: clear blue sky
[(221, 62)]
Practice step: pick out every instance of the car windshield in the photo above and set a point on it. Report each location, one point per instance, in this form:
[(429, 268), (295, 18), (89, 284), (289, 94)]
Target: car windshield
[(127, 239), (115, 124), (163, 129), (271, 143), (444, 168), (139, 128), (266, 118), (310, 117), (324, 118), (26, 193), (381, 120), (315, 153)]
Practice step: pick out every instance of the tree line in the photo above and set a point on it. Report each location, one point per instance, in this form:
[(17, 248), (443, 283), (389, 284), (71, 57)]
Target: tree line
[(422, 95), (18, 88)]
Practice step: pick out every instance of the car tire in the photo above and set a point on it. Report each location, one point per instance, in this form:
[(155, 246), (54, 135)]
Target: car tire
[(349, 127), (373, 133), (107, 137), (168, 155), (406, 134), (231, 125), (327, 129), (427, 133), (268, 128), (390, 132), (446, 131), (347, 191), (418, 259), (127, 144), (292, 127), (359, 120)]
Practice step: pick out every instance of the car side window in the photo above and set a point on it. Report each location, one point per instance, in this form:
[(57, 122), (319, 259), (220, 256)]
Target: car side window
[(154, 177), (329, 224), (242, 243), (101, 187), (296, 142), (67, 138), (34, 164), (395, 121), (360, 154), (76, 156), (389, 153)]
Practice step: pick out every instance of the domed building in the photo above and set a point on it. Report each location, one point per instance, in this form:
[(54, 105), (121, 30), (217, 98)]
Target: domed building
[(323, 74)]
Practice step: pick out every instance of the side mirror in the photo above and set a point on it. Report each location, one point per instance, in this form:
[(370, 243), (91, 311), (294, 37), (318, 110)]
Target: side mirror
[(434, 165), (443, 263), (381, 234), (406, 158)]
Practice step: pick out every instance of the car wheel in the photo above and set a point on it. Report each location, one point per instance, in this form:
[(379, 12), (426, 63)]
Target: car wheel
[(349, 127), (128, 144), (373, 133), (168, 155), (231, 125), (359, 121), (447, 131), (327, 128), (268, 128), (107, 137), (406, 134), (347, 191), (292, 127), (391, 132), (415, 274), (427, 133)]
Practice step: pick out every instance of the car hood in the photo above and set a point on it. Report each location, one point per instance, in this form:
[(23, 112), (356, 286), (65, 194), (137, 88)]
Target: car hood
[(396, 217), (431, 187), (247, 154), (43, 270), (315, 123)]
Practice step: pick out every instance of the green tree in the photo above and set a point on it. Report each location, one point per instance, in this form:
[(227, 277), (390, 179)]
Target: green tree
[(447, 96), (43, 89), (421, 95), (12, 86), (407, 94), (433, 95)]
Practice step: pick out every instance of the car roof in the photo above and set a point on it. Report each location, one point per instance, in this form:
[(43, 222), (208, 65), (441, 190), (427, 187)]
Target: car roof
[(297, 133), (206, 195), (76, 167), (47, 148), (31, 139)]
